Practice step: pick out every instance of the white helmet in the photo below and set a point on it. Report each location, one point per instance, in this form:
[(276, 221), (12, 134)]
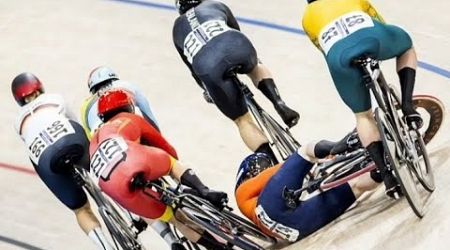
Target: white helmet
[(100, 75)]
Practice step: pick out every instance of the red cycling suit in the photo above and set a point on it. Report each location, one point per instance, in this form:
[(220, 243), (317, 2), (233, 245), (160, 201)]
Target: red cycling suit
[(122, 148)]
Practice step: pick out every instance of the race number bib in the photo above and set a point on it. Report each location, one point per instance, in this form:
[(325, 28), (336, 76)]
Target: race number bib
[(198, 37), (107, 157), (52, 133), (343, 27), (285, 232)]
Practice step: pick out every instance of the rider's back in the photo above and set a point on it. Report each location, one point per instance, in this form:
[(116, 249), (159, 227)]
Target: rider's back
[(323, 12)]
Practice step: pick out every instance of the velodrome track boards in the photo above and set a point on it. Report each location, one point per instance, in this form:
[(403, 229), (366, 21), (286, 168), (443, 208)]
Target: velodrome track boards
[(61, 41)]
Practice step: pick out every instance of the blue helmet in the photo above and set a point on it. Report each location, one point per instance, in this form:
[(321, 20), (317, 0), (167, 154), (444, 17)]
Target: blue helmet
[(251, 166)]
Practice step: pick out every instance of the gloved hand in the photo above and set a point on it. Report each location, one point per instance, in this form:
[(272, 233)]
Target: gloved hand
[(217, 198), (177, 246)]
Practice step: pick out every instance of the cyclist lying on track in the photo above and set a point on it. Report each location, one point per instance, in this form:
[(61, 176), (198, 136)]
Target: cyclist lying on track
[(126, 146), (100, 80), (345, 30), (208, 39), (54, 140), (259, 194)]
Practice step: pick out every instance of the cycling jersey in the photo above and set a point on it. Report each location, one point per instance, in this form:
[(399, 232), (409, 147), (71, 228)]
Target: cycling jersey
[(124, 147), (89, 112), (337, 17)]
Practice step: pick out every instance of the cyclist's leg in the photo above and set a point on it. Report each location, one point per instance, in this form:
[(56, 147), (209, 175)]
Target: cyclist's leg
[(212, 65), (246, 57), (311, 214), (395, 42), (348, 81), (65, 188)]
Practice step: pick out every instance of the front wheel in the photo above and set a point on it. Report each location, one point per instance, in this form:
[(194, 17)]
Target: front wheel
[(394, 160), (421, 163)]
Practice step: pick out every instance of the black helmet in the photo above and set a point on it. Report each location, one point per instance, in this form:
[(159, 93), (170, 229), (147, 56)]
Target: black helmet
[(184, 5)]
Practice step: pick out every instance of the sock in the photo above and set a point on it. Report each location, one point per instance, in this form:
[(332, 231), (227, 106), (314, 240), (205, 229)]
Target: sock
[(164, 231), (189, 179), (407, 78), (268, 88), (97, 236), (376, 152), (265, 148)]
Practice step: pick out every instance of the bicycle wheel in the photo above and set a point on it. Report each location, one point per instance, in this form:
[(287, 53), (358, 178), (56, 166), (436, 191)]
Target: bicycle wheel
[(393, 158), (346, 171), (421, 164), (284, 142), (120, 231), (209, 218), (433, 112)]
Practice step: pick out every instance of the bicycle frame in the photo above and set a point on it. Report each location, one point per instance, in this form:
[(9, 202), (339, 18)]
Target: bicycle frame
[(280, 139)]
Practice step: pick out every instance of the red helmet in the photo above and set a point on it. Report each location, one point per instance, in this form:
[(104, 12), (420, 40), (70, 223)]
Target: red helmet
[(113, 102), (25, 84)]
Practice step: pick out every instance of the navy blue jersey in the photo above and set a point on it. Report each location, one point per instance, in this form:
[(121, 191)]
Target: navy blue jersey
[(200, 25)]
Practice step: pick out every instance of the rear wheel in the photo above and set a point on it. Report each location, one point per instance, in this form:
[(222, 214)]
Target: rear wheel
[(433, 113), (283, 141)]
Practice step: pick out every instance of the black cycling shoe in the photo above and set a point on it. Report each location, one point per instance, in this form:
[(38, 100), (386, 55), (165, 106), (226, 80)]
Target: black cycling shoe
[(347, 144), (412, 117), (290, 117), (140, 225), (393, 189)]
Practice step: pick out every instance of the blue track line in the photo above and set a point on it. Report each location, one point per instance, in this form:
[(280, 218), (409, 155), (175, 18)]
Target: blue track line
[(426, 66)]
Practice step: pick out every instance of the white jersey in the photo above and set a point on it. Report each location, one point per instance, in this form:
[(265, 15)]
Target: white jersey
[(41, 123)]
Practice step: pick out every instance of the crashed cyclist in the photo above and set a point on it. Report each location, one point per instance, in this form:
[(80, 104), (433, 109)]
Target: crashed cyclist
[(259, 193)]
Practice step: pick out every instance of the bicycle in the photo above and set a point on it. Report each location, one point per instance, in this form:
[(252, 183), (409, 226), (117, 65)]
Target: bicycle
[(280, 138), (350, 164), (233, 229), (123, 229)]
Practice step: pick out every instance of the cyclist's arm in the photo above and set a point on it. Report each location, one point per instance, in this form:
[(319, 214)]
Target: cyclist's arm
[(84, 116), (231, 20), (372, 12), (248, 192), (180, 51), (150, 136)]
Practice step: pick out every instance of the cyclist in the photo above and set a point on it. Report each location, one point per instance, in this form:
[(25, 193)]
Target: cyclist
[(259, 194), (127, 146), (102, 79), (208, 39), (344, 30), (55, 141)]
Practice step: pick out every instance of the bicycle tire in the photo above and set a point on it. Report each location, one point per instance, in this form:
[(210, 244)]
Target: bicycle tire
[(404, 174), (436, 110), (119, 230), (284, 142), (346, 174), (212, 220), (424, 173)]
